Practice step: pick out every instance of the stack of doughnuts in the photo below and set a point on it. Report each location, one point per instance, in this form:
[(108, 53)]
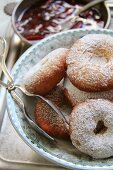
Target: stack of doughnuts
[(87, 73), (90, 69)]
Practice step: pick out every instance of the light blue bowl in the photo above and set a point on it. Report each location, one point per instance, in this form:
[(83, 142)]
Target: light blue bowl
[(62, 153)]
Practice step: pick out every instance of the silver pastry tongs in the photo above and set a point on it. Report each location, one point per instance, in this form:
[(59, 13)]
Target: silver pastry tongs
[(32, 98)]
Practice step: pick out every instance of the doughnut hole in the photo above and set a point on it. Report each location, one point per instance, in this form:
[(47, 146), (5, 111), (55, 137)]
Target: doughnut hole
[(101, 56), (98, 59), (100, 128)]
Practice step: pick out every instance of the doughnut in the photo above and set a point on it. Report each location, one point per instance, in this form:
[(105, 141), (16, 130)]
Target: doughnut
[(74, 95), (45, 75), (90, 63), (91, 128), (48, 120)]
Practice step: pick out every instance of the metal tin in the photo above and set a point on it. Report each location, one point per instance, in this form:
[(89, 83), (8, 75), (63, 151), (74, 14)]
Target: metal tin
[(103, 7)]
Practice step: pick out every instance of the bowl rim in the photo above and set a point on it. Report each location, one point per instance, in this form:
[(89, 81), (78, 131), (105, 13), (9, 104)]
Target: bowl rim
[(29, 43), (11, 110)]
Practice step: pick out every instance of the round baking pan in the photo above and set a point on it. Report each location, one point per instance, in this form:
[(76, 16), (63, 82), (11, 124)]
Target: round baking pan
[(105, 11)]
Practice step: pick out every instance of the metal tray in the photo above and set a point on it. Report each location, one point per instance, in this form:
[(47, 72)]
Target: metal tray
[(14, 153)]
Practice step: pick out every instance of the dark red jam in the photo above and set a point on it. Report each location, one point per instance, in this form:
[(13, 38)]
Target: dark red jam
[(44, 18)]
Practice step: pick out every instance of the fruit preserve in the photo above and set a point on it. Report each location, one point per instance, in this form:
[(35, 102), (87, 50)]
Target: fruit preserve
[(44, 18)]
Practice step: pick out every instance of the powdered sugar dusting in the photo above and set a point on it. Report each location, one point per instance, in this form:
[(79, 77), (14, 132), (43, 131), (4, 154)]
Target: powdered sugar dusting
[(75, 95), (50, 58), (84, 119), (89, 62), (45, 75)]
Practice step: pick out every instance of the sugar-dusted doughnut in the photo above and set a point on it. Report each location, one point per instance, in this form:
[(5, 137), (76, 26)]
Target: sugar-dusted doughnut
[(90, 63), (74, 95), (91, 128), (48, 120), (45, 75)]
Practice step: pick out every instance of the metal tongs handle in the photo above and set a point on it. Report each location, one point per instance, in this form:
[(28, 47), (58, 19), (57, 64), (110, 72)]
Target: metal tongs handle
[(21, 105), (4, 48), (89, 5)]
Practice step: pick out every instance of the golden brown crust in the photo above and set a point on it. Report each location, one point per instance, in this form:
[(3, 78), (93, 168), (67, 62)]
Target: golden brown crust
[(45, 75), (90, 63), (47, 119)]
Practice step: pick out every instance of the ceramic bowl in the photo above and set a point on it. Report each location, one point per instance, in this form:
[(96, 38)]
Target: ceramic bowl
[(60, 152)]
